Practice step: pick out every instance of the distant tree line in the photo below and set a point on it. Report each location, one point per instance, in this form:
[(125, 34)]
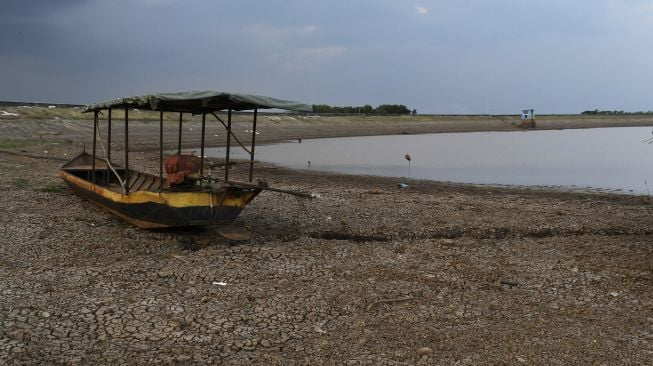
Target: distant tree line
[(366, 109), (596, 111)]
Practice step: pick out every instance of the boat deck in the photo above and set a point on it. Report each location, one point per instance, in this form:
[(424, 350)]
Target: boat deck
[(138, 181)]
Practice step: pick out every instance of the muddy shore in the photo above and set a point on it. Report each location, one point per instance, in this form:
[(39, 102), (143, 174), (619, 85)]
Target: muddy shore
[(143, 134), (367, 274)]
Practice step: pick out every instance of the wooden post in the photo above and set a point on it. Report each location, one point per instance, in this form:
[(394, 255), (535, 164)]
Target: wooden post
[(179, 145), (226, 159), (108, 147), (95, 118), (251, 156), (202, 148), (109, 136), (126, 150), (160, 151)]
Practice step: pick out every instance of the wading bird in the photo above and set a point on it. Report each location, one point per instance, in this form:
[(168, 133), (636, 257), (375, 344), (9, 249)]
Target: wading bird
[(407, 157)]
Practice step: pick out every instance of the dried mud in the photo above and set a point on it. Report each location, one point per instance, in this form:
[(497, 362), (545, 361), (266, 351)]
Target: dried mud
[(367, 274)]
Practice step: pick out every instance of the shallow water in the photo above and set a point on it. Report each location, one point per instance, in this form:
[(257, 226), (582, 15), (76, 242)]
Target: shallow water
[(603, 158)]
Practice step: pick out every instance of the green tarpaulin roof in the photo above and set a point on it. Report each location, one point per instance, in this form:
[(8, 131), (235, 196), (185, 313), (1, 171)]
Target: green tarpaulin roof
[(198, 102)]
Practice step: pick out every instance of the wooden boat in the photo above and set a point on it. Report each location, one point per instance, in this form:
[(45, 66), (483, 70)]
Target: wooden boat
[(150, 201)]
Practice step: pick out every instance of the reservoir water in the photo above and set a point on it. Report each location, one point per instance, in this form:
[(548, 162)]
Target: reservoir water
[(613, 159)]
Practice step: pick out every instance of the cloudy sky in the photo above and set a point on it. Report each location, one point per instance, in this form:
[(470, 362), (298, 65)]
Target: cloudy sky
[(438, 56)]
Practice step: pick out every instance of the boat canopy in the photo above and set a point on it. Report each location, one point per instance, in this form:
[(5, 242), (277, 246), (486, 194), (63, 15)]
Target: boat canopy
[(199, 102)]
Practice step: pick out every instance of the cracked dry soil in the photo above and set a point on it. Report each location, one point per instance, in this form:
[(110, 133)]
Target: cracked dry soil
[(368, 274)]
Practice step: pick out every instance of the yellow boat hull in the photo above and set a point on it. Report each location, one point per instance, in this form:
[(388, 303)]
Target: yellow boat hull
[(168, 208)]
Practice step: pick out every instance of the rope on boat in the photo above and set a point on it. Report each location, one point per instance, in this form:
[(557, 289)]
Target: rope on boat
[(106, 157), (232, 134)]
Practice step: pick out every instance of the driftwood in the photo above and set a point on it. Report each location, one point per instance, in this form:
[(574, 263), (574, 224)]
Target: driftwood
[(509, 283), (370, 306), (180, 258)]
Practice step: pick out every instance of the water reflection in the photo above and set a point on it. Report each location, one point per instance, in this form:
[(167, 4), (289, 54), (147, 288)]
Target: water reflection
[(607, 158)]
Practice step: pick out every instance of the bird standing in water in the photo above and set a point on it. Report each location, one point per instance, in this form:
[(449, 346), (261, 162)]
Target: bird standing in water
[(407, 157)]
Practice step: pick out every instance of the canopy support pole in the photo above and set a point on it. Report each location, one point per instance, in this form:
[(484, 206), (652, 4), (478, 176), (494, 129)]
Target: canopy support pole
[(95, 118), (251, 154), (226, 159), (126, 150), (109, 148), (202, 147), (160, 151), (179, 144), (232, 134)]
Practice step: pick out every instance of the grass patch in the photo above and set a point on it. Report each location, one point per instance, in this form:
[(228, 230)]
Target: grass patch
[(12, 144), (50, 188), (21, 182)]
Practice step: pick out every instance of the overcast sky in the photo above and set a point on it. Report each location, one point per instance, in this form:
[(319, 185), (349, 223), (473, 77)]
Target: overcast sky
[(447, 56)]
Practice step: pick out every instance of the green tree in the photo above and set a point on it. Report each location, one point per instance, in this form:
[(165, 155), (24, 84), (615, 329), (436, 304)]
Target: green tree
[(392, 109)]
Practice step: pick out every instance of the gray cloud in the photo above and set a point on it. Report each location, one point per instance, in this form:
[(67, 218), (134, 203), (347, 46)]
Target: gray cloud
[(459, 56), (21, 9)]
